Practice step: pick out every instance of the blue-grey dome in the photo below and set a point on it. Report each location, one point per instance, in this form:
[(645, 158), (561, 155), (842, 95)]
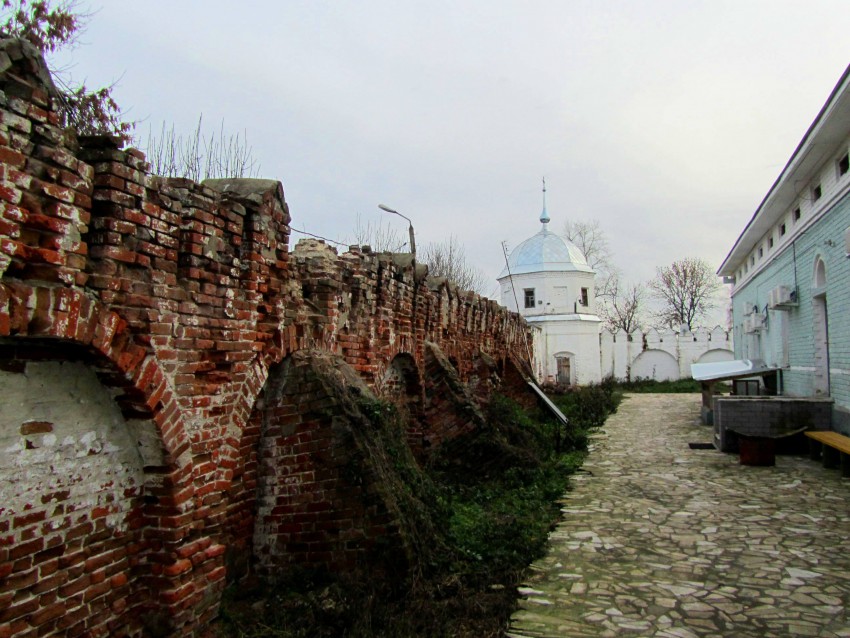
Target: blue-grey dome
[(545, 252)]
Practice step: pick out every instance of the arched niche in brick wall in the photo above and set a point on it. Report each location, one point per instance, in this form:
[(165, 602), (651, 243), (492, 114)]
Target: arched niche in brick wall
[(72, 485), (315, 494), (401, 383), (483, 378), (62, 327)]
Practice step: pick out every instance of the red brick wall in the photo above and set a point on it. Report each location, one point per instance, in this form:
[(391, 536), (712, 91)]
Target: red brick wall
[(181, 297), (320, 501)]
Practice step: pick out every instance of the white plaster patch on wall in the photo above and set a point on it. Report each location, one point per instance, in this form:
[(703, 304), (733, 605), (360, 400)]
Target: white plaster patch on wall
[(64, 447)]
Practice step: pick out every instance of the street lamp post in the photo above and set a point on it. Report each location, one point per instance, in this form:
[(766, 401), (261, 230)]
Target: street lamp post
[(387, 209)]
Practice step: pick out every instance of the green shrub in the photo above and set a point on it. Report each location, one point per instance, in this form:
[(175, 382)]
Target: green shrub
[(500, 518), (588, 406), (484, 505)]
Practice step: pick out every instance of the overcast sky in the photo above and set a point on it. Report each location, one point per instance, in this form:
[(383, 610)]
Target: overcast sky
[(665, 120)]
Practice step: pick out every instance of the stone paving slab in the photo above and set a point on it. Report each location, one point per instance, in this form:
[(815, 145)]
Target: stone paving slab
[(665, 541)]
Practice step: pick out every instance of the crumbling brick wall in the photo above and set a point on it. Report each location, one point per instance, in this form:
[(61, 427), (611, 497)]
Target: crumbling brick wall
[(323, 499), (178, 299)]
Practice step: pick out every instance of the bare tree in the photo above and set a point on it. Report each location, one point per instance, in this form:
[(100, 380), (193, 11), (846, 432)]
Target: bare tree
[(623, 308), (591, 240), (381, 236), (448, 259), (200, 156), (686, 290)]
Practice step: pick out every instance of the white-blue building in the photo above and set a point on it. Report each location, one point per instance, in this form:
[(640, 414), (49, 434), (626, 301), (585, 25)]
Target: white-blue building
[(548, 280), (790, 267)]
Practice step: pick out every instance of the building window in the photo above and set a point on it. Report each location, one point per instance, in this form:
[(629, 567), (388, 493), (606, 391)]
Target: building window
[(782, 230), (529, 297), (752, 260), (843, 164), (817, 192), (761, 252), (797, 214), (769, 243), (584, 300)]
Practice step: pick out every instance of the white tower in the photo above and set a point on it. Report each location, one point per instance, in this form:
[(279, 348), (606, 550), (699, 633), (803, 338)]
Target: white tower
[(548, 281)]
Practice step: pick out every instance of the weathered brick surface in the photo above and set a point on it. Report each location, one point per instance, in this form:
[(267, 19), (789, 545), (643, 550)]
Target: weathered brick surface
[(319, 503), (177, 303)]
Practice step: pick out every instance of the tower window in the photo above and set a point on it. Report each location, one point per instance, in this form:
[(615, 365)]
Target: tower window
[(529, 297), (817, 192), (843, 164), (797, 214), (769, 243), (584, 297), (782, 230)]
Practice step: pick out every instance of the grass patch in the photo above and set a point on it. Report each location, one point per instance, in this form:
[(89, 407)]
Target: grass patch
[(491, 498), (500, 517), (641, 385)]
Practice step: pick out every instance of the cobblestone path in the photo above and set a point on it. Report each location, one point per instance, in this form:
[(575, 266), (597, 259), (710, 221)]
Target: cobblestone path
[(665, 541)]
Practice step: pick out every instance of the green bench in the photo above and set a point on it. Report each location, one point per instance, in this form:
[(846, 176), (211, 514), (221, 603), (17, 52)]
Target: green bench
[(833, 447)]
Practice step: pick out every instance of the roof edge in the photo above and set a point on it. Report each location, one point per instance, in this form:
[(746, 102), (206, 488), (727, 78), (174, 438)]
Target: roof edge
[(837, 90)]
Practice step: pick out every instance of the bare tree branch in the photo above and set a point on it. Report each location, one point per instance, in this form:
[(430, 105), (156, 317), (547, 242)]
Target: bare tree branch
[(381, 236), (448, 259), (591, 240), (623, 307)]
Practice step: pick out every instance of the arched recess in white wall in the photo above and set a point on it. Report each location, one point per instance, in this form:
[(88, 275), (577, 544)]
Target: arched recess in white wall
[(655, 364), (820, 328), (819, 278), (716, 355)]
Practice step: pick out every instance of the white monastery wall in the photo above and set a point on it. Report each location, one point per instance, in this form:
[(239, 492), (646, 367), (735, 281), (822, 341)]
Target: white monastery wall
[(665, 355)]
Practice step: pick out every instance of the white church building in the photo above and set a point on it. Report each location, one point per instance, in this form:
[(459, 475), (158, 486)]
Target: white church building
[(548, 281)]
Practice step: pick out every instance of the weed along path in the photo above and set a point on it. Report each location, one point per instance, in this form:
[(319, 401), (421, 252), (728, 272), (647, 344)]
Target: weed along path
[(661, 540)]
